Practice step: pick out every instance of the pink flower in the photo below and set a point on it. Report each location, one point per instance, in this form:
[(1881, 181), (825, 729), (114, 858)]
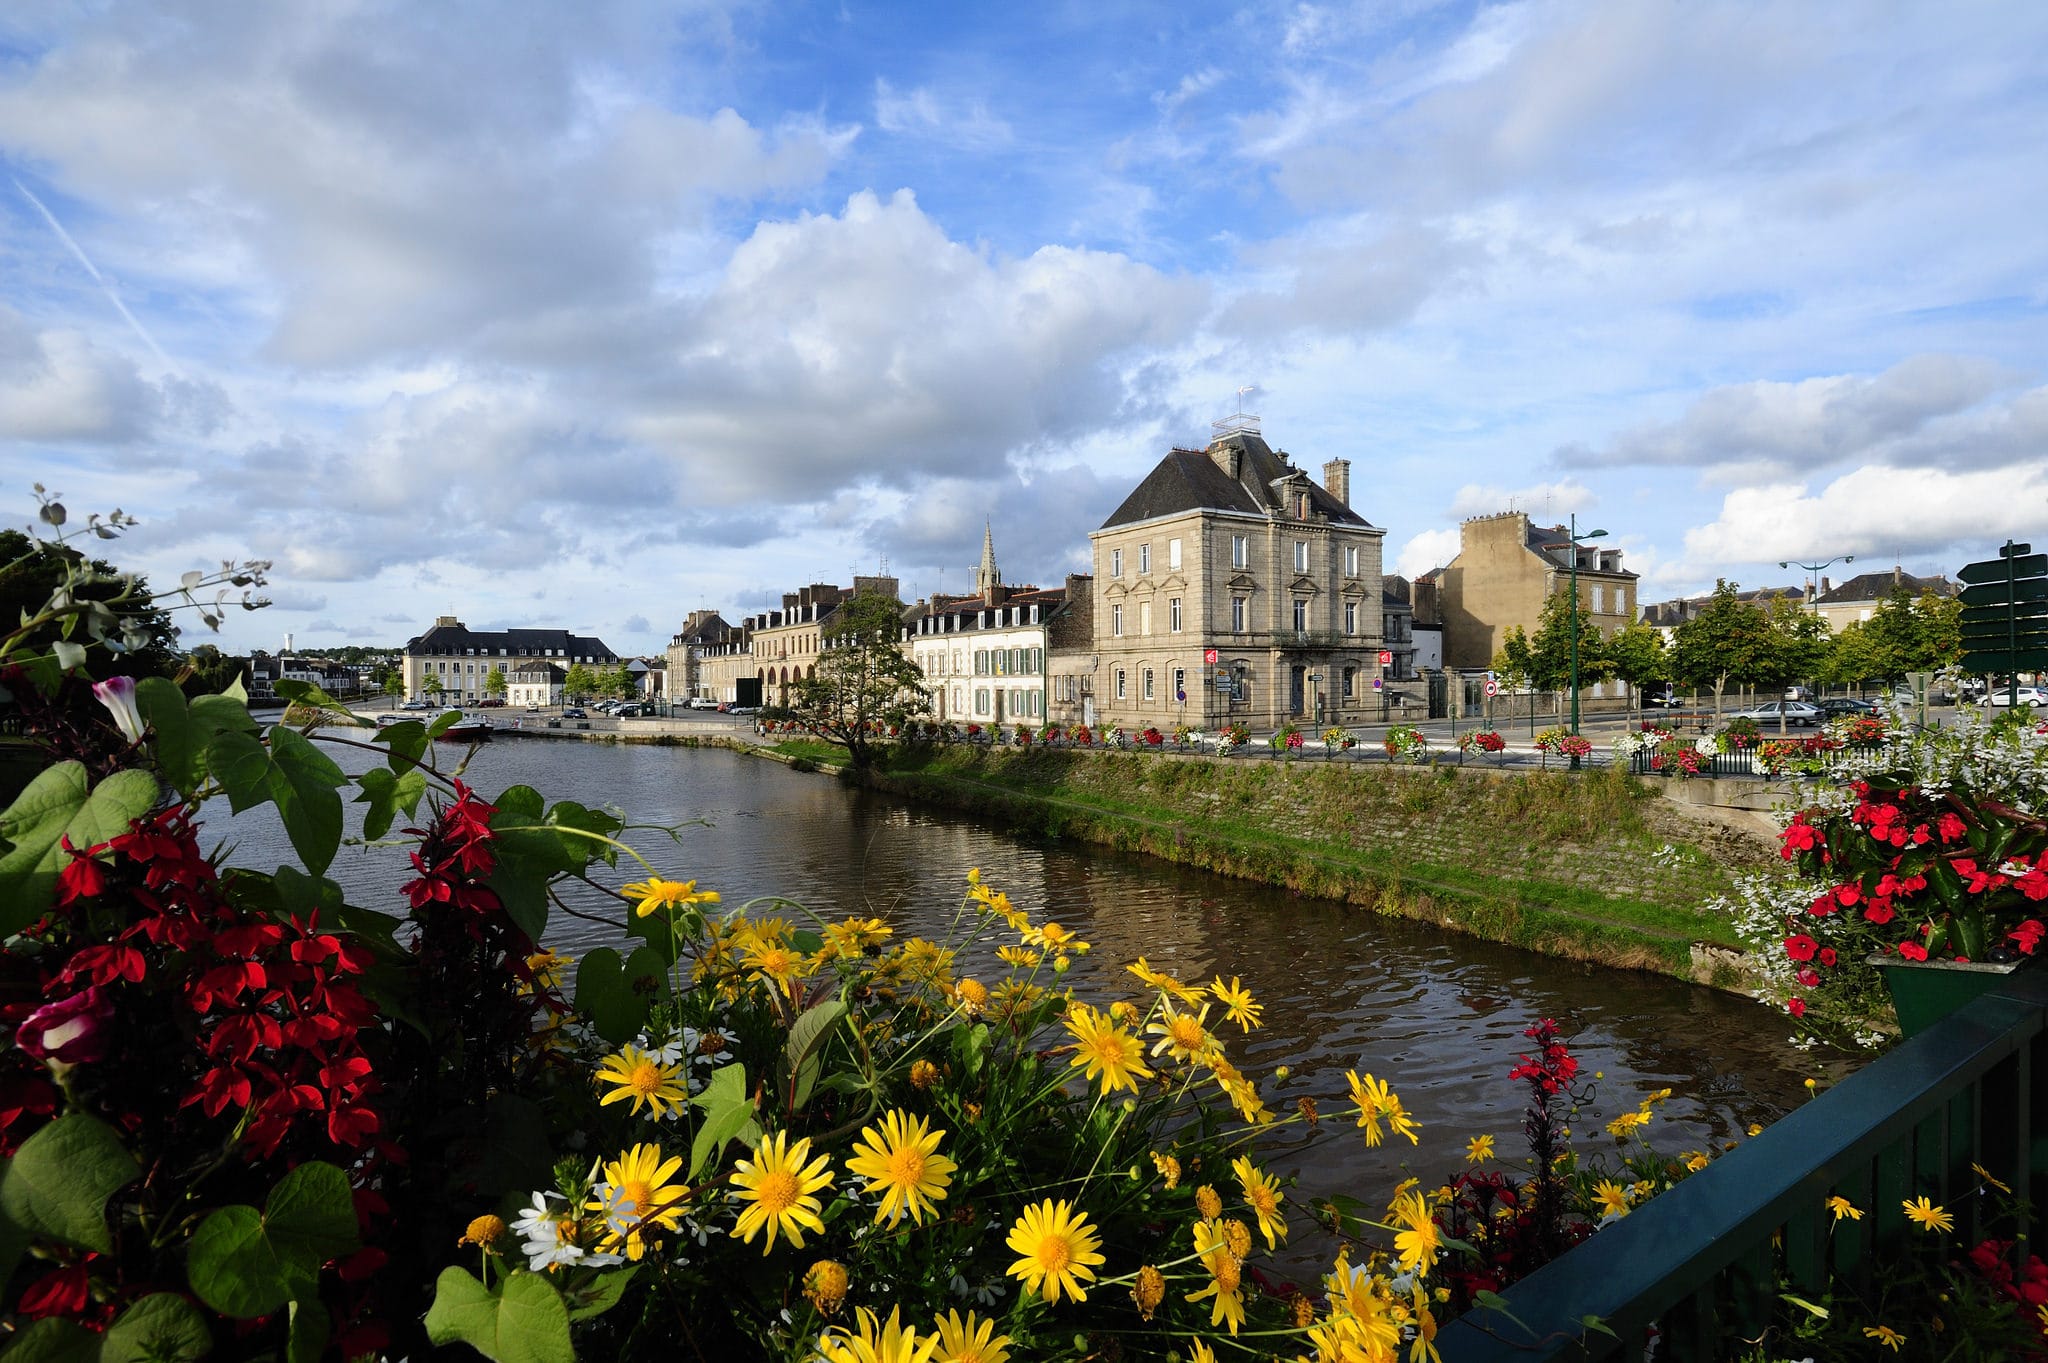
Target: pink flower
[(118, 695), (70, 1031)]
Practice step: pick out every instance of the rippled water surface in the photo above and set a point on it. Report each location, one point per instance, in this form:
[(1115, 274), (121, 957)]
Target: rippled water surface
[(1438, 1014)]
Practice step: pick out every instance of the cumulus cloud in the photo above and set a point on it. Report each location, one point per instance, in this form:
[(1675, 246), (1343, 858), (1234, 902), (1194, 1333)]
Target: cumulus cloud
[(1808, 422), (1425, 550), (57, 385), (1540, 500)]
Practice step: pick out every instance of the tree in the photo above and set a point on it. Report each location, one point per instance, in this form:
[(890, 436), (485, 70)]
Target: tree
[(30, 570), (1637, 654), (1514, 664), (1803, 648), (494, 681), (862, 680), (1729, 640), (578, 682), (1941, 625)]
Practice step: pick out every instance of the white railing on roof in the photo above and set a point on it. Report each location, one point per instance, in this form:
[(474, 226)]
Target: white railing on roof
[(1238, 423)]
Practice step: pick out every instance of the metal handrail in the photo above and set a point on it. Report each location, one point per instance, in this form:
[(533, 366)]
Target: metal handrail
[(1698, 1265)]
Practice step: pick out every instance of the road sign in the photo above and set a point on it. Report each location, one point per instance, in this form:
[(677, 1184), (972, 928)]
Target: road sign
[(1492, 687), (1999, 593), (1996, 633), (1994, 570), (1377, 683), (1209, 656), (1998, 660), (2012, 550), (1386, 657), (1975, 615), (1223, 681)]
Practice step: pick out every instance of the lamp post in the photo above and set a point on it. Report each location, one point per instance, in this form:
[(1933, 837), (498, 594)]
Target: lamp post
[(1813, 581), (1576, 537)]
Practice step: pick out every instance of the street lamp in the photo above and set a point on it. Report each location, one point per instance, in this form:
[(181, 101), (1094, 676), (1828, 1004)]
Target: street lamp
[(1813, 582), (1574, 540)]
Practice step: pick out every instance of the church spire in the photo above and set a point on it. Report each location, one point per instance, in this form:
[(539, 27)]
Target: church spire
[(988, 579)]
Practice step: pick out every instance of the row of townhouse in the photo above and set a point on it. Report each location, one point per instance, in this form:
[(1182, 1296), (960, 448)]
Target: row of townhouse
[(458, 661)]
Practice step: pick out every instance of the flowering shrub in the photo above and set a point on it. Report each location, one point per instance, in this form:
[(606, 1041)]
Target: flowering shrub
[(1151, 737), (973, 731), (1405, 740), (1022, 735), (1928, 845), (1740, 734), (1183, 735), (1777, 756), (1081, 735)]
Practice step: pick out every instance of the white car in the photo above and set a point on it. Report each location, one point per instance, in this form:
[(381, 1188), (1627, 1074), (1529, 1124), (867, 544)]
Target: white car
[(703, 703), (1794, 712), (2027, 695)]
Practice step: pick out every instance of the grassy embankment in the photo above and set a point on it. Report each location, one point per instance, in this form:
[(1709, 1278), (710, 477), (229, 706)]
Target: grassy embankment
[(1591, 866)]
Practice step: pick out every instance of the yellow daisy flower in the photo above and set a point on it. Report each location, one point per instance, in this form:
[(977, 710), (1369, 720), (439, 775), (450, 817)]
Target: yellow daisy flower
[(1226, 1276), (636, 1196), (971, 996), (1377, 1103), (777, 1185), (901, 1157), (1208, 1203), (1418, 1241), (1190, 994), (1842, 1206), (1023, 958), (1183, 1036), (1058, 1249), (1199, 1351), (1237, 1002), (773, 962), (874, 1342), (1695, 1160), (1927, 1216), (1985, 1174), (826, 1285), (970, 1340), (1168, 1167), (1885, 1335), (1479, 1149), (1612, 1197), (1262, 1195), (655, 893), (1101, 1047), (1148, 1289), (644, 1081), (1054, 938), (1628, 1123)]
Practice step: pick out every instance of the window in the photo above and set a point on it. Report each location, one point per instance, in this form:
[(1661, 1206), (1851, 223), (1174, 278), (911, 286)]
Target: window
[(1301, 556), (980, 700), (1148, 683), (956, 660), (1351, 560), (1300, 613), (1116, 620), (1144, 617), (1599, 599), (1240, 551), (1351, 617), (1144, 558), (1116, 563), (1350, 682), (1173, 613), (1621, 601), (1237, 615), (1119, 683)]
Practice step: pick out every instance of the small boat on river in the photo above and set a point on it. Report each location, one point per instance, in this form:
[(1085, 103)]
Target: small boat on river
[(464, 728)]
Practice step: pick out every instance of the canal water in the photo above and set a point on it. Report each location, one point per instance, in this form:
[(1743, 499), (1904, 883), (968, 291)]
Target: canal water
[(1437, 1014)]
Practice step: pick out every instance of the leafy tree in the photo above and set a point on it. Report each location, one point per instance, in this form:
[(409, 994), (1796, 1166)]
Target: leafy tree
[(1637, 654), (1550, 650), (578, 682), (390, 680), (862, 679), (208, 671), (1941, 625), (432, 686), (1803, 645), (1729, 640), (494, 681), (1514, 665), (30, 570)]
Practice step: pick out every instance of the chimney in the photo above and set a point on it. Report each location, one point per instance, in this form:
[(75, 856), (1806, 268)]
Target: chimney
[(1226, 456), (1337, 480), (1826, 586)]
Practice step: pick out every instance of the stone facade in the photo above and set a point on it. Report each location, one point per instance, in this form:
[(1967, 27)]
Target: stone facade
[(1233, 549), (1506, 569), (460, 658)]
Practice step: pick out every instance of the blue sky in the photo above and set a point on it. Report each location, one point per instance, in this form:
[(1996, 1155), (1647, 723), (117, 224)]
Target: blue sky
[(591, 315)]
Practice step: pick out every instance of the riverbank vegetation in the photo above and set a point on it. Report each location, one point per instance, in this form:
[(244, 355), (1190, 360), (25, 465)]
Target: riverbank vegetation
[(1589, 866)]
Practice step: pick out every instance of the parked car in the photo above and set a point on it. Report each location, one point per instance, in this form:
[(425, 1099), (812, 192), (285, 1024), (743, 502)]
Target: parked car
[(629, 712), (574, 712), (1794, 712), (1834, 707), (492, 703), (2026, 695), (704, 703), (417, 705)]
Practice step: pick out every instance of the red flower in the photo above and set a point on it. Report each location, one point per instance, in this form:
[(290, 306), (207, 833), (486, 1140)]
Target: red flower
[(2028, 935), (1912, 951), (1827, 956), (1796, 1007), (1801, 947), (1879, 912), (63, 1293)]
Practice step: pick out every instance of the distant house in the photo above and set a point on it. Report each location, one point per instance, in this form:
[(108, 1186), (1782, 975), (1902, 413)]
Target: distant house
[(703, 637), (1666, 616), (1859, 597), (459, 658), (1507, 567), (988, 658), (533, 682)]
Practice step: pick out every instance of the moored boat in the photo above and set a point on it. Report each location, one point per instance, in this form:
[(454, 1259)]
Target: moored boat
[(465, 728)]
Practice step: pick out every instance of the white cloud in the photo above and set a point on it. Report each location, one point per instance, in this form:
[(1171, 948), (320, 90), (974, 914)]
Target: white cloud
[(956, 121), (58, 385), (1424, 551), (1541, 500)]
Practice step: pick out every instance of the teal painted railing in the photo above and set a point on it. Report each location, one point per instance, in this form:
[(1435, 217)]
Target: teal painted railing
[(1700, 1266)]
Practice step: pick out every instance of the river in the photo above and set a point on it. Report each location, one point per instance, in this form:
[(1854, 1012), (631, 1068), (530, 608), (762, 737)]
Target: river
[(1438, 1014)]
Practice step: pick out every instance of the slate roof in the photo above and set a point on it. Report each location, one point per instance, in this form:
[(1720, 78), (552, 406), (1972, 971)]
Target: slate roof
[(1189, 480), (1665, 614), (547, 671), (457, 640), (1553, 541), (1877, 586)]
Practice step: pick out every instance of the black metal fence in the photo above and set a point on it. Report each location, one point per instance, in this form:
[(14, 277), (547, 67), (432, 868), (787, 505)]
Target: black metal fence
[(1699, 1269)]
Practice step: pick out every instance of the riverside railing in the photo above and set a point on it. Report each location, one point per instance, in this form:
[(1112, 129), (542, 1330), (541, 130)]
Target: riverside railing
[(1700, 1267)]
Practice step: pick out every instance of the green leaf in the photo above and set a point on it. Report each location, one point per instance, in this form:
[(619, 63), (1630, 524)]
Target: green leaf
[(58, 804), (311, 695), (407, 740), (54, 1340), (520, 1319), (970, 1050), (246, 1263), (301, 896), (309, 1331), (728, 1112), (1592, 1322), (185, 732), (59, 1181), (443, 722), (302, 782), (806, 1036), (599, 1294), (380, 793), (1810, 1307), (161, 1328), (616, 996), (241, 764), (521, 804)]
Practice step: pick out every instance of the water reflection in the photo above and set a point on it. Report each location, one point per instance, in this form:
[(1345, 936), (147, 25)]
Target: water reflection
[(1438, 1014)]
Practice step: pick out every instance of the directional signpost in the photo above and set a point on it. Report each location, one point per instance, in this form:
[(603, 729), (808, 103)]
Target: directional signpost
[(2005, 614)]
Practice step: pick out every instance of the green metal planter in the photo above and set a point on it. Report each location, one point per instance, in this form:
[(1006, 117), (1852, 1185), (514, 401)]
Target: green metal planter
[(1925, 992)]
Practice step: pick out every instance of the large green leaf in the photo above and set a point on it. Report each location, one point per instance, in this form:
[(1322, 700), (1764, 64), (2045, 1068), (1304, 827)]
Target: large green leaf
[(184, 732), (241, 764), (728, 1112), (314, 697), (310, 1327), (386, 793), (600, 1294), (246, 1263), (54, 1340), (302, 782), (519, 1319), (60, 804), (163, 1327), (807, 1035), (59, 1181), (407, 741)]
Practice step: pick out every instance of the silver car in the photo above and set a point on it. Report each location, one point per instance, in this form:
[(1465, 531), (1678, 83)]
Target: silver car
[(1792, 712)]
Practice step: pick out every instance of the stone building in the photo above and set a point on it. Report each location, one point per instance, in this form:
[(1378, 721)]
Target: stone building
[(986, 658), (785, 644), (702, 633), (1230, 587), (1506, 568), (1859, 597), (460, 658)]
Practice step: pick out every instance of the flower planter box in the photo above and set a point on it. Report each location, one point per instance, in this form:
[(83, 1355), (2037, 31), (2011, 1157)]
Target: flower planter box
[(1925, 992)]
